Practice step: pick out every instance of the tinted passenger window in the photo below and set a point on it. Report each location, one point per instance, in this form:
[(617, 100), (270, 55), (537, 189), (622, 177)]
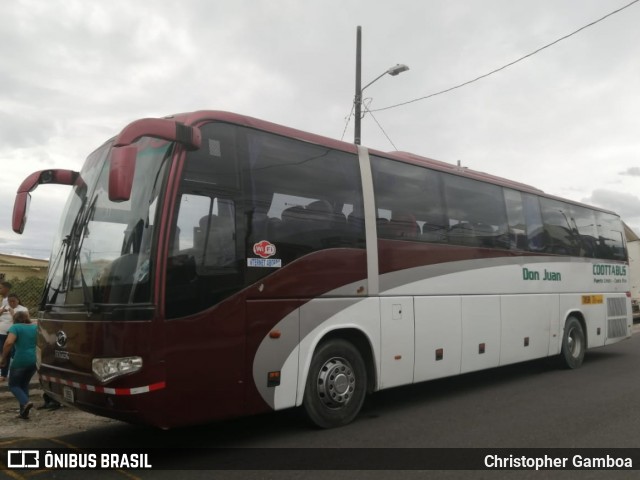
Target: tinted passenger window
[(216, 162), (583, 220), (300, 198), (560, 236), (476, 213), (533, 220), (610, 243), (525, 222), (517, 227), (408, 201), (205, 262)]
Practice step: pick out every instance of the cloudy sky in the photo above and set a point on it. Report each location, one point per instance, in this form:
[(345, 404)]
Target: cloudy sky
[(74, 72)]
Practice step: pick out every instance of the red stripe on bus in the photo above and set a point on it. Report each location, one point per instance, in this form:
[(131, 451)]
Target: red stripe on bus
[(112, 391)]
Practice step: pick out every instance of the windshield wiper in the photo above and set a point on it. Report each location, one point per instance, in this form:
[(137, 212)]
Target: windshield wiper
[(70, 253)]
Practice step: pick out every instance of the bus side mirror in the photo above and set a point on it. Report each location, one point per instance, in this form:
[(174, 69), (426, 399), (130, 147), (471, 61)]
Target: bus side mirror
[(20, 211), (121, 171), (41, 177)]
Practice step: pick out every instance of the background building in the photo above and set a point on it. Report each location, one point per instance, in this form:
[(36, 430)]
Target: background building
[(12, 266)]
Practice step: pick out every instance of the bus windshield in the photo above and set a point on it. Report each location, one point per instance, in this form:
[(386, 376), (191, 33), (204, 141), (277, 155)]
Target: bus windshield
[(101, 254)]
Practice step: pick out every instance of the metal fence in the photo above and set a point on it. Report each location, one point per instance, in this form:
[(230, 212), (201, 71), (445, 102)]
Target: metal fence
[(29, 290)]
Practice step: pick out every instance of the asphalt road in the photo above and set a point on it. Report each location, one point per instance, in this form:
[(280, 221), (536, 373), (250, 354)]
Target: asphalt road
[(531, 405)]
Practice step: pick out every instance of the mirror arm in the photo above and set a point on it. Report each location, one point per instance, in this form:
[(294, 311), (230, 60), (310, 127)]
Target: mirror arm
[(57, 177), (161, 128)]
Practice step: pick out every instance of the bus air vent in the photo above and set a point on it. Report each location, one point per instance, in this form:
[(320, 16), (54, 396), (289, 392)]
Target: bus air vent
[(617, 307), (617, 328)]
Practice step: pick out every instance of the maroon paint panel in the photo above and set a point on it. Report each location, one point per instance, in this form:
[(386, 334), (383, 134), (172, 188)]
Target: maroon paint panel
[(397, 255), (90, 339), (204, 361), (313, 275)]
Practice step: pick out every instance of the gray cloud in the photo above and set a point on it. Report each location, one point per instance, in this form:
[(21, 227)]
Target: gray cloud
[(632, 172), (24, 130), (627, 205)]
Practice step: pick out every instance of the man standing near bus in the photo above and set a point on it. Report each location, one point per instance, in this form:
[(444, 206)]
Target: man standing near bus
[(6, 320)]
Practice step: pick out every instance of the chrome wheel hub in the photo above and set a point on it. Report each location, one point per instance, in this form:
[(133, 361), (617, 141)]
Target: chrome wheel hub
[(574, 343), (336, 383)]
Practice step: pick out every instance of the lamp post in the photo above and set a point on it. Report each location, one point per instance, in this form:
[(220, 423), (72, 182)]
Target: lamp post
[(393, 71)]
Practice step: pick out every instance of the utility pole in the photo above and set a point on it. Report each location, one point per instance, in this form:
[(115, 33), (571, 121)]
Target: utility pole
[(358, 96), (393, 71)]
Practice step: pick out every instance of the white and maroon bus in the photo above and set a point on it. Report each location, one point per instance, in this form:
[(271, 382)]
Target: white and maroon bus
[(217, 260)]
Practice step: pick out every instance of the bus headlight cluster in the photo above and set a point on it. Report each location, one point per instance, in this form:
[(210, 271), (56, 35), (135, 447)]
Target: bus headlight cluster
[(106, 369)]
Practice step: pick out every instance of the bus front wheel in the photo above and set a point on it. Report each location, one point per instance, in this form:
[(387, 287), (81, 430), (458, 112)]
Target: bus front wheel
[(336, 384), (573, 344)]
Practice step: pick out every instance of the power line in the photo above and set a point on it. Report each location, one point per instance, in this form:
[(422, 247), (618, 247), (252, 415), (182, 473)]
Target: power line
[(508, 64), (347, 118), (379, 126)]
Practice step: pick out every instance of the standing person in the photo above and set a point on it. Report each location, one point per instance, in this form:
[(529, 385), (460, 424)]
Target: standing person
[(15, 305), (22, 336), (6, 320)]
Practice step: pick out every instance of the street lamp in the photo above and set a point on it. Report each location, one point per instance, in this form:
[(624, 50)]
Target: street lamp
[(393, 71)]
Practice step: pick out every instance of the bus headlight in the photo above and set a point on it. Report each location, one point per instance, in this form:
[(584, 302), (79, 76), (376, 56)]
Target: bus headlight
[(106, 369)]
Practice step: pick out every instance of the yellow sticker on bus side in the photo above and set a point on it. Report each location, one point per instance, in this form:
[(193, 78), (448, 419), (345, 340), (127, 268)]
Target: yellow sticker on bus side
[(592, 299)]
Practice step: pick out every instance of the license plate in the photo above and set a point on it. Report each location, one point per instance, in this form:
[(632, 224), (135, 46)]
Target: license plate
[(67, 393)]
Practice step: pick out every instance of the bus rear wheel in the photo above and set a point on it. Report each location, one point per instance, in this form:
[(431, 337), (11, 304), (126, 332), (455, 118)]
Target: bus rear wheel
[(573, 344), (336, 384)]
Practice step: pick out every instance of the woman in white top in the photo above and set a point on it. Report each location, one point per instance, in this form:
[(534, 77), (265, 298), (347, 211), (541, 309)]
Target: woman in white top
[(15, 305)]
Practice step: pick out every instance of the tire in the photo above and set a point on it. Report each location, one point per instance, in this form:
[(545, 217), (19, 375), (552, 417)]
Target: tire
[(573, 344), (336, 384)]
